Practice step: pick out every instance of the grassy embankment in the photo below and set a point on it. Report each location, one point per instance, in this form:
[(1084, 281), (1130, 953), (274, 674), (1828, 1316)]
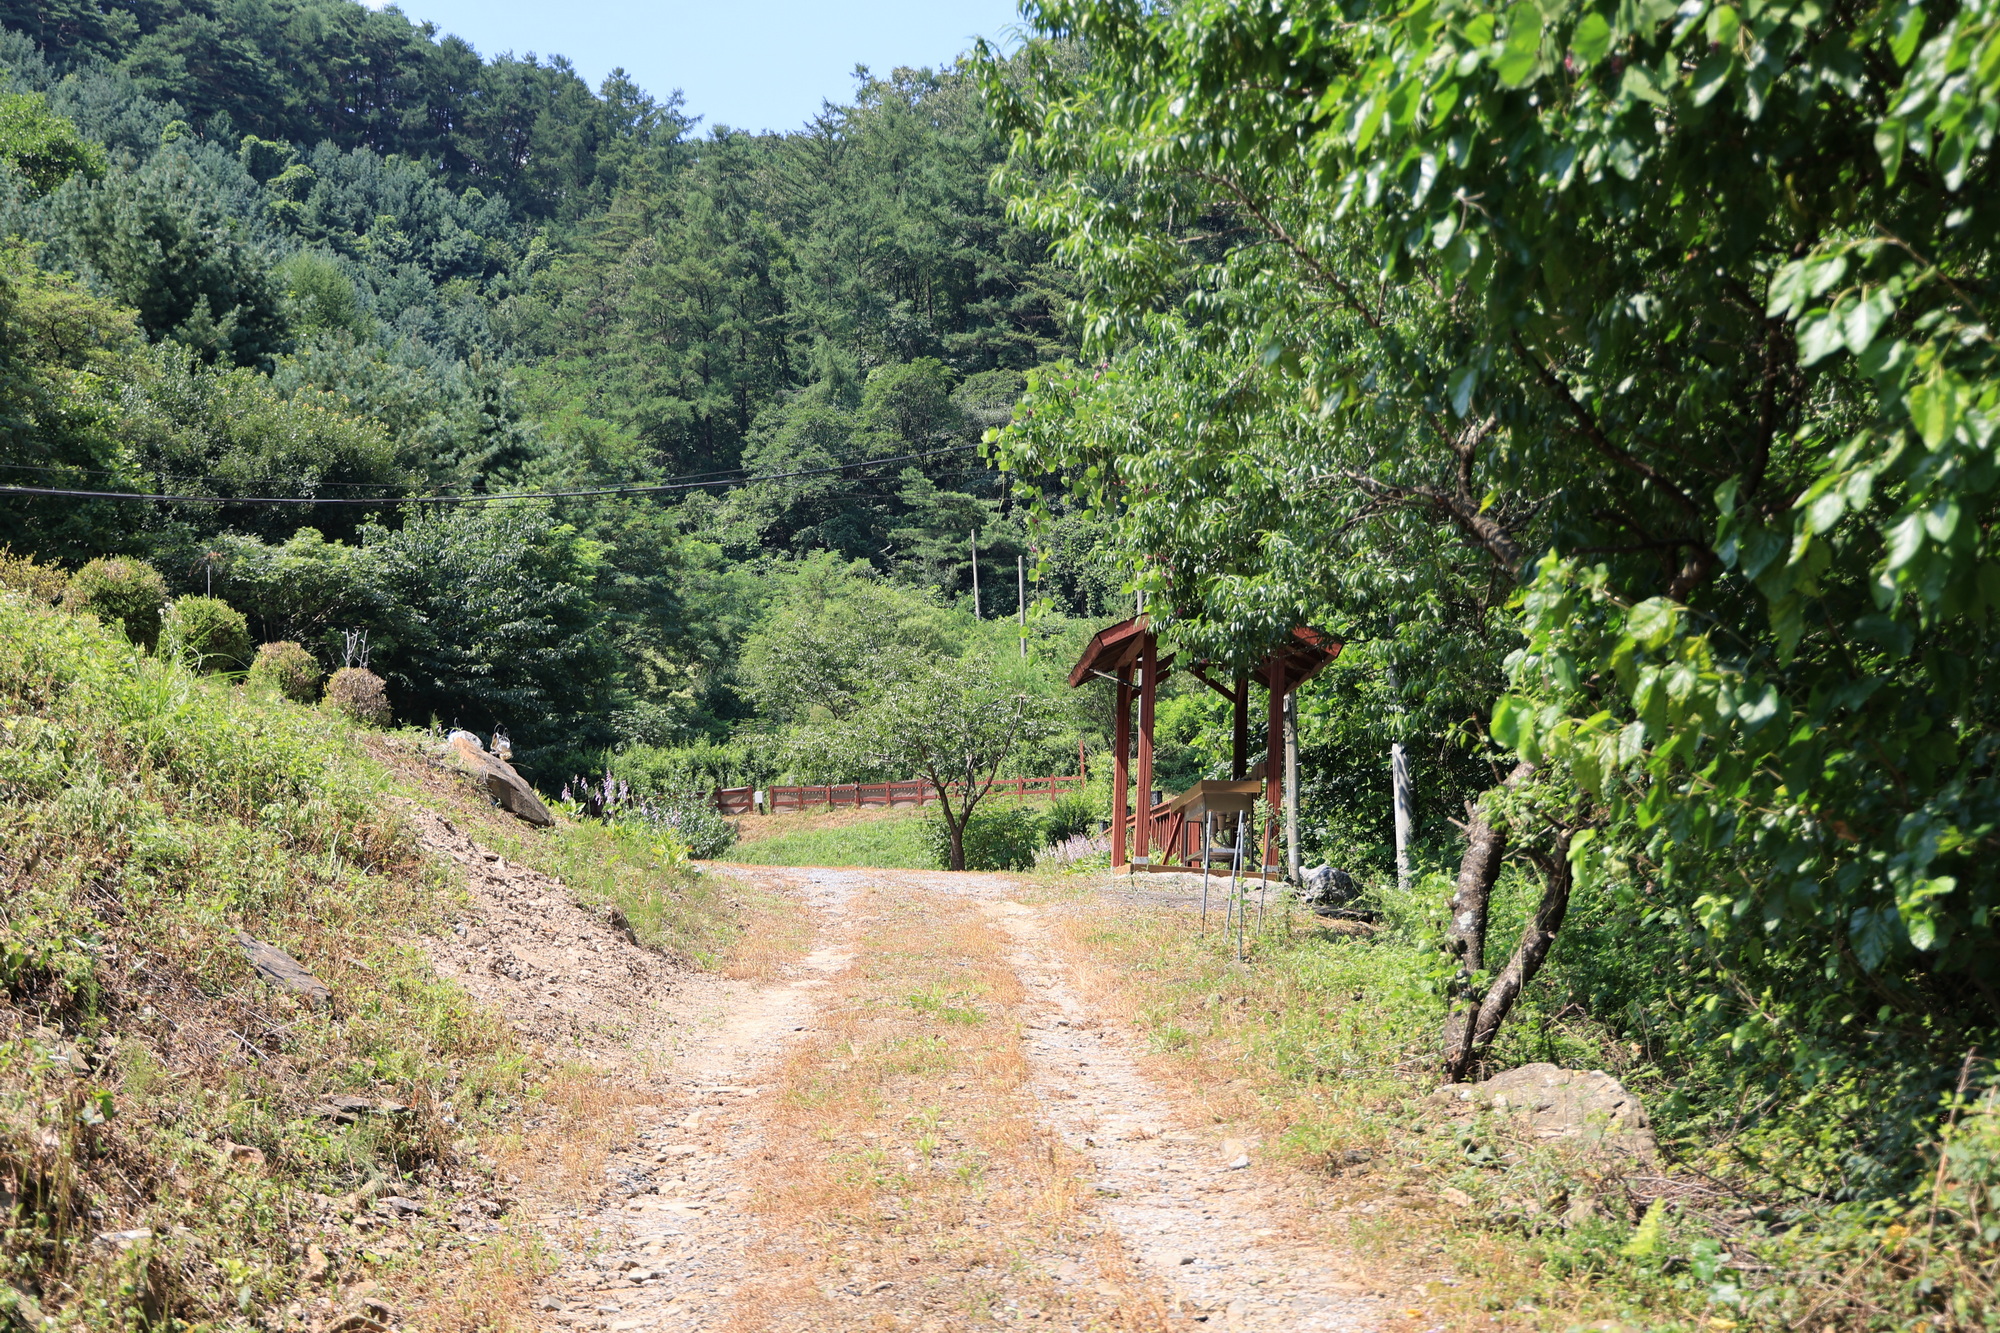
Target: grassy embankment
[(1326, 1042), (161, 1161)]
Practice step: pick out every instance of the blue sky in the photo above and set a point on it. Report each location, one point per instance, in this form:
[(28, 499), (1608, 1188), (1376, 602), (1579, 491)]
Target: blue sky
[(754, 64)]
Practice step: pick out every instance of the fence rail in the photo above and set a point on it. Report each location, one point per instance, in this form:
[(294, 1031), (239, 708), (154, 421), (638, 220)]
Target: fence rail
[(860, 795)]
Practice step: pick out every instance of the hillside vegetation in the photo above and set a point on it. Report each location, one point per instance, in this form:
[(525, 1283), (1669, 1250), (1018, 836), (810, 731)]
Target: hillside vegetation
[(167, 1152)]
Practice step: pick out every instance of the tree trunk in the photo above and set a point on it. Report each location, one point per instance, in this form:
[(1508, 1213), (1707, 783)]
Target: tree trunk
[(1465, 933), (1537, 938), (956, 827)]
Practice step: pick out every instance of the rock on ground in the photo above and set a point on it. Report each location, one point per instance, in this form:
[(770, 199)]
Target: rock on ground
[(498, 778), (1587, 1105)]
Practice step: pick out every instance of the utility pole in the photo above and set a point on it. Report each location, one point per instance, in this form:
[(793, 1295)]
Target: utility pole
[(1292, 785), (1021, 595), (975, 578)]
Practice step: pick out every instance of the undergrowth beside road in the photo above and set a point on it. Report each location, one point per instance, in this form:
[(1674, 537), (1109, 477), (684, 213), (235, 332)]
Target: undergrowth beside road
[(1325, 1040), (168, 1157)]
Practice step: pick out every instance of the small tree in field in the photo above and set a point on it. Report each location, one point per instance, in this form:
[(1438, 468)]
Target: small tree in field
[(953, 724)]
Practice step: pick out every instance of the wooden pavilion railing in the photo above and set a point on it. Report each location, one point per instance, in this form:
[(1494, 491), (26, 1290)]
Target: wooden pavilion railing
[(861, 795)]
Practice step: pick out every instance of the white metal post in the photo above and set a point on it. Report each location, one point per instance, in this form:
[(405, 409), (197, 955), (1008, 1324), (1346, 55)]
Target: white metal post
[(1021, 585), (1399, 781)]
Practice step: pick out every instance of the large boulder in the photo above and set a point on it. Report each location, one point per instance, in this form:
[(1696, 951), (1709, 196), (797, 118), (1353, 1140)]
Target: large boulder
[(507, 788), (1547, 1102), (1325, 889)]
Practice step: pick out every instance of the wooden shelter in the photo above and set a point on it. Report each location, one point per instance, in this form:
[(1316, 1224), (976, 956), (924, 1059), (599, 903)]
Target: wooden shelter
[(1127, 655)]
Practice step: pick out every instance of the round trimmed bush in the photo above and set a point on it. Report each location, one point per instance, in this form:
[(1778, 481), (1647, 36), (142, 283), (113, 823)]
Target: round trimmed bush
[(207, 633), (122, 592), (288, 669), (43, 583), (359, 693)]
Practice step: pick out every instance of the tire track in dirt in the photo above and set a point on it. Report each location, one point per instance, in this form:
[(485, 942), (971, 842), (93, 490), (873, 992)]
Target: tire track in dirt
[(1198, 1221), (671, 1249), (1208, 1239)]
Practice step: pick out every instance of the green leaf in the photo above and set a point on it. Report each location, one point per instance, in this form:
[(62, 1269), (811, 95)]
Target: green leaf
[(1864, 318), (1909, 27), (1711, 76), (1825, 510), (1941, 521), (1463, 382), (1520, 58), (1652, 621), (1934, 410), (1890, 138), (1905, 539), (1788, 290), (1591, 40), (1510, 718), (1649, 1236), (1819, 337), (1723, 25), (1638, 84), (1874, 931)]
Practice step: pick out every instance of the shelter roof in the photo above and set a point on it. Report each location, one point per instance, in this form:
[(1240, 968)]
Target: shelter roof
[(1111, 650), (1300, 657)]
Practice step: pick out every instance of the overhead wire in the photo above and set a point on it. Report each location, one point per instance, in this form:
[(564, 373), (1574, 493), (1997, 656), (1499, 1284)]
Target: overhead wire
[(697, 481)]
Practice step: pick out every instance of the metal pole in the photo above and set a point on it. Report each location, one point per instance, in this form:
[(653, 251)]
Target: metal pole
[(1207, 823), (1021, 585), (1235, 874), (1292, 786), (1399, 787), (1399, 780)]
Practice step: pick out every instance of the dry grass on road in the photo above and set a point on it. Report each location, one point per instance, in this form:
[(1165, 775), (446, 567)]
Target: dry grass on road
[(908, 1182)]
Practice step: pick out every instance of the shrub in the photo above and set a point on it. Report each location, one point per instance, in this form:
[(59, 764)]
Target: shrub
[(288, 669), (678, 808), (359, 693), (206, 633), (1072, 814), (1004, 838), (121, 592), (20, 573)]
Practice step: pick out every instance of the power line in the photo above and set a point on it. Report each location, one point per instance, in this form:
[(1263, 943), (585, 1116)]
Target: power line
[(659, 488)]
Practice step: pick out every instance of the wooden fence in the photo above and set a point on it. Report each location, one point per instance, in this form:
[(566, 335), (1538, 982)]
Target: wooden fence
[(859, 795)]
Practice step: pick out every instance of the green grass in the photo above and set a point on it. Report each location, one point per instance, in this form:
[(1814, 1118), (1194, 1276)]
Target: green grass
[(895, 841), (1330, 1041), (147, 815), (674, 907)]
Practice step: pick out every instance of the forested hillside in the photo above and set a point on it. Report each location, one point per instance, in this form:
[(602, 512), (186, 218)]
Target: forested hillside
[(310, 250)]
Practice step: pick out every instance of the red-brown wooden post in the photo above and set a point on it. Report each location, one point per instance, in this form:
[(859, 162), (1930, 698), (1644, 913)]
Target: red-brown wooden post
[(1239, 730), (1121, 742), (1148, 658)]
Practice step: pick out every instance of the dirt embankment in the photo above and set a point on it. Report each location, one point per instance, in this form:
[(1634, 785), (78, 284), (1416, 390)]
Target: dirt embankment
[(565, 974)]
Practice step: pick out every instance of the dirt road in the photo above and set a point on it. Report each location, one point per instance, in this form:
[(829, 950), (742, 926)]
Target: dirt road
[(924, 1124)]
